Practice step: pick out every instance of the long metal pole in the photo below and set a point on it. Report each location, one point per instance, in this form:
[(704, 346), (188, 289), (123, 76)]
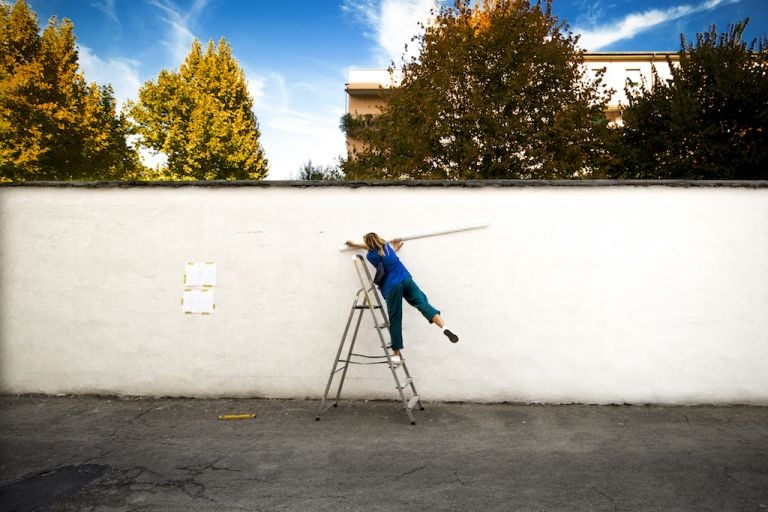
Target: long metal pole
[(428, 234)]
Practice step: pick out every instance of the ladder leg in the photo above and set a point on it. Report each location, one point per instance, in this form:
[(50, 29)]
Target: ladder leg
[(415, 393), (336, 361), (349, 357), (407, 404)]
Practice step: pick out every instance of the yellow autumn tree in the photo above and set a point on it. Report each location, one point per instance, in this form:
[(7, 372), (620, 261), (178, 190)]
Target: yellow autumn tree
[(53, 124), (201, 117)]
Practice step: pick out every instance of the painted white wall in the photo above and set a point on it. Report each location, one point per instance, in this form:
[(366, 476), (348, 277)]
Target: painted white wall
[(573, 294)]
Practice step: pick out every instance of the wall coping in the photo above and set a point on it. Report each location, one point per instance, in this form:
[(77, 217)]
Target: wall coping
[(392, 183)]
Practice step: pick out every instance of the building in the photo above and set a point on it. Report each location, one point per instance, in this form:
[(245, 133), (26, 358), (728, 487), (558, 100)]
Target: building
[(620, 68), (628, 68)]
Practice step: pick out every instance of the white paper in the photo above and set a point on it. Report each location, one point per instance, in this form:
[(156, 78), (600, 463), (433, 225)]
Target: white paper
[(200, 274), (197, 301)]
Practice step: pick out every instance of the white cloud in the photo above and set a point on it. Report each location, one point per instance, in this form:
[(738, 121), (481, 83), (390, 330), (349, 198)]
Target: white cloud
[(179, 39), (255, 88), (601, 36), (108, 8), (299, 120), (391, 24), (590, 12), (123, 74), (291, 138), (269, 89)]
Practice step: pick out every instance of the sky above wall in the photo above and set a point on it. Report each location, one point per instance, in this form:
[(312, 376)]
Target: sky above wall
[(296, 54)]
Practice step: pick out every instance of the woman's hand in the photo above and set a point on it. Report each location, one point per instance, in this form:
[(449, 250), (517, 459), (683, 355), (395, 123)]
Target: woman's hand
[(397, 244)]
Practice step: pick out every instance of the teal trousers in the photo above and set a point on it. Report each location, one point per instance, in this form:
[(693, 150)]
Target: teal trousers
[(409, 291)]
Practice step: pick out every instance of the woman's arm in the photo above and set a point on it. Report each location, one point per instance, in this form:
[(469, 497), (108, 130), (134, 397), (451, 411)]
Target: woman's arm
[(350, 243), (397, 244)]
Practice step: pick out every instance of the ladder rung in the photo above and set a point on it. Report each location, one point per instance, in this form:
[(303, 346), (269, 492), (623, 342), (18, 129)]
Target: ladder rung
[(364, 306), (413, 401), (383, 326), (368, 357), (405, 383)]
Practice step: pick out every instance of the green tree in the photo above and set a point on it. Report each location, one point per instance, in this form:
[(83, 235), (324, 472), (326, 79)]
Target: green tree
[(309, 171), (497, 92), (53, 124), (201, 117), (709, 122)]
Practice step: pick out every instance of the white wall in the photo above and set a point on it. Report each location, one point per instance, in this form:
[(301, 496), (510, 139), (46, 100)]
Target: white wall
[(599, 294)]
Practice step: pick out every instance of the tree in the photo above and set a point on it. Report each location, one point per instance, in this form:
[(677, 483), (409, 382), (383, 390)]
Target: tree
[(497, 92), (709, 122), (53, 124), (201, 117), (319, 172)]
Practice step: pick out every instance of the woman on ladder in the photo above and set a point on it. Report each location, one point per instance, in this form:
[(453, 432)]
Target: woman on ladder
[(397, 284)]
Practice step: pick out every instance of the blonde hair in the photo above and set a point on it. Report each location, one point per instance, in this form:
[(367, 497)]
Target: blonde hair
[(375, 243)]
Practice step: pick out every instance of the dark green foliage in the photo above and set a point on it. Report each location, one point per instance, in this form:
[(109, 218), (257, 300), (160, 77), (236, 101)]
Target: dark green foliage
[(709, 122), (496, 92), (319, 172)]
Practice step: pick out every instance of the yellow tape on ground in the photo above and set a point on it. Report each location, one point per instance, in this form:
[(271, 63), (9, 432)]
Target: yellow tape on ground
[(237, 417)]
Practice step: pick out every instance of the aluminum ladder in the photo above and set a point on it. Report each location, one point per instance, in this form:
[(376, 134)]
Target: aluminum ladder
[(368, 299)]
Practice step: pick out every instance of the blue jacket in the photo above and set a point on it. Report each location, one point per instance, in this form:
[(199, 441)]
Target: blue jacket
[(393, 267)]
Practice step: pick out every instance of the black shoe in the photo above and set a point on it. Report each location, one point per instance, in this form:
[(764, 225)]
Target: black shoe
[(451, 336)]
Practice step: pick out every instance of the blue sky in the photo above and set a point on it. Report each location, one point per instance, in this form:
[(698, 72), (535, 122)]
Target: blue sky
[(296, 54)]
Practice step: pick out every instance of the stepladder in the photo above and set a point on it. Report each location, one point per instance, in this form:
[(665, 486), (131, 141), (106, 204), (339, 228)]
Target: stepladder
[(368, 304)]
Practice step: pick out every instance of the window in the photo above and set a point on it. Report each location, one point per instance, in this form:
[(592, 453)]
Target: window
[(633, 77)]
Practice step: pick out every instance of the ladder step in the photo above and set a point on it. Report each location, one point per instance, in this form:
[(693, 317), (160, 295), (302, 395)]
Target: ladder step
[(413, 401), (405, 383)]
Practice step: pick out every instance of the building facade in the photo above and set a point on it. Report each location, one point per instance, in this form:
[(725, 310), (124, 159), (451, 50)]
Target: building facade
[(365, 86)]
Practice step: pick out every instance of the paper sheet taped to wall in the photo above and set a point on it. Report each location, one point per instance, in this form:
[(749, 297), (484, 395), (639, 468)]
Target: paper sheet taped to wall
[(200, 274), (198, 301)]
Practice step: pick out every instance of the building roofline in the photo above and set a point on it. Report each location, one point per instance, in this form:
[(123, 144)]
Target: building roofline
[(660, 55), (366, 89), (369, 88)]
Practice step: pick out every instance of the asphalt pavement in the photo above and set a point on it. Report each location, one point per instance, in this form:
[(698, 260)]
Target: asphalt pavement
[(129, 454)]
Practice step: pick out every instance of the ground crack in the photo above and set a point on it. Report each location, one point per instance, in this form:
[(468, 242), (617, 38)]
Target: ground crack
[(615, 506), (414, 470), (188, 486), (456, 479), (199, 469), (731, 477)]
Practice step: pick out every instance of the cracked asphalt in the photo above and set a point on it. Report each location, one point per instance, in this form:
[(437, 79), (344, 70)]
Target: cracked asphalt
[(94, 454)]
